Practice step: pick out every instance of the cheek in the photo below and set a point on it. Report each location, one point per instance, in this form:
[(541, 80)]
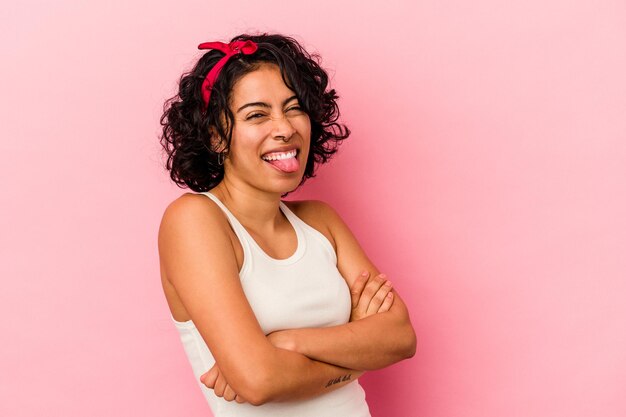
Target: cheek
[(246, 138), (307, 132), (303, 126)]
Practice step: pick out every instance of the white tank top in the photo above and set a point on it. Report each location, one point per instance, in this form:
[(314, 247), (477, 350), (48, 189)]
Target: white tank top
[(304, 290)]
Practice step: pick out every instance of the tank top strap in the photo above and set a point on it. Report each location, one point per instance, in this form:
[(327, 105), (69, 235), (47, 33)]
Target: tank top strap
[(251, 247), (291, 216), (306, 230)]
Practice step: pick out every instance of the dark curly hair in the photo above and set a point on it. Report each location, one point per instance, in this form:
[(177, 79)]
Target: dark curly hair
[(186, 139)]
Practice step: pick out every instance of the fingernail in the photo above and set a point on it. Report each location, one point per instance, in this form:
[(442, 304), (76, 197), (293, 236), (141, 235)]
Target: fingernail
[(390, 295), (382, 276), (364, 273), (388, 283)]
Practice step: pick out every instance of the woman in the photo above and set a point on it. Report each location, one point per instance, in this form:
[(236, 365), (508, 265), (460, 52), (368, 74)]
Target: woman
[(277, 306)]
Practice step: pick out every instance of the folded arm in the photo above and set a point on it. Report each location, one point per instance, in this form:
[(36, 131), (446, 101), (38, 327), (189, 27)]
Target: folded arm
[(373, 342), (315, 378), (198, 259)]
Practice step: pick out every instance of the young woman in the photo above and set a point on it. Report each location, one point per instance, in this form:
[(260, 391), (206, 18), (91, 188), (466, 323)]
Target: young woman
[(277, 306)]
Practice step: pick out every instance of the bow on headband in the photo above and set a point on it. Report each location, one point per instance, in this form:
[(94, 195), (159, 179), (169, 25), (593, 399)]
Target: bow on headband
[(230, 49)]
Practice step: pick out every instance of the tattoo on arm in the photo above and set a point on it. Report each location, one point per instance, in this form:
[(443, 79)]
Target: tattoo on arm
[(338, 380)]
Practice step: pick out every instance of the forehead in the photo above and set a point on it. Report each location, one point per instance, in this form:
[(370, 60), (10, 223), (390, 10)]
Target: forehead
[(263, 84)]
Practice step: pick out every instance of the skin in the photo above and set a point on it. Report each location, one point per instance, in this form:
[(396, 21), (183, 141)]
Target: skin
[(200, 258)]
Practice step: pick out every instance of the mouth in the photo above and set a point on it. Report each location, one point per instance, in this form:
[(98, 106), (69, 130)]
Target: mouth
[(284, 161)]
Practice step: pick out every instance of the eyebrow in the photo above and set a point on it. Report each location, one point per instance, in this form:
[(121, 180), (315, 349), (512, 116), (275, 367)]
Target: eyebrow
[(262, 104)]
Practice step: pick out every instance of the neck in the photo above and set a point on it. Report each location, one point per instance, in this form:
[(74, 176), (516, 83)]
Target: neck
[(253, 207)]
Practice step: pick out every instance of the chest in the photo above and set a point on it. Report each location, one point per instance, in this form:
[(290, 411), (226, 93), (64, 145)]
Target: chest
[(308, 293)]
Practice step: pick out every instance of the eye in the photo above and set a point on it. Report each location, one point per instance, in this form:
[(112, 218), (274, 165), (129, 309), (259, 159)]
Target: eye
[(295, 108), (253, 116)]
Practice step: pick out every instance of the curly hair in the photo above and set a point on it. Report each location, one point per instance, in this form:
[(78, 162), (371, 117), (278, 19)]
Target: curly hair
[(186, 139)]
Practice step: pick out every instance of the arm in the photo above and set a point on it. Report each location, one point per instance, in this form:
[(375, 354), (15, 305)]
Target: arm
[(198, 258), (215, 380), (364, 303), (373, 342)]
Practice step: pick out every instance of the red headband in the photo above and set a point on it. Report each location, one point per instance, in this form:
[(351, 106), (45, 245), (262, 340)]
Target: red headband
[(230, 49)]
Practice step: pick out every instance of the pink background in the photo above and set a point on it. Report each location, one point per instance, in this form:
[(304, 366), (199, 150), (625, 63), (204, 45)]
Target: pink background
[(486, 175)]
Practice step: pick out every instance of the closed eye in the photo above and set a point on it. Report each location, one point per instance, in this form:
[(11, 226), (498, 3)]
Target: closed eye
[(254, 116)]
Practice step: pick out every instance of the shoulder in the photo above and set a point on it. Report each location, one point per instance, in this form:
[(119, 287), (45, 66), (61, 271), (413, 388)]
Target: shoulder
[(191, 216), (192, 207), (351, 259), (195, 237), (319, 215), (311, 208)]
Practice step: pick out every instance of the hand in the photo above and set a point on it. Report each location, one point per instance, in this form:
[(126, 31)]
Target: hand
[(215, 380), (370, 296)]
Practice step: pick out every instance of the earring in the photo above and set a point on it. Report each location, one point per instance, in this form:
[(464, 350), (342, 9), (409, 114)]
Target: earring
[(220, 158)]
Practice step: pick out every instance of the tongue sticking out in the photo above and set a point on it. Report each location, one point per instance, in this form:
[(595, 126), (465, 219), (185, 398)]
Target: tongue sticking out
[(286, 165)]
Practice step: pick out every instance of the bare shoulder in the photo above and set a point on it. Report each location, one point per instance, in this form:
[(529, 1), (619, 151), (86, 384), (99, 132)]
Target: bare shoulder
[(317, 214), (192, 218), (351, 259), (308, 207), (189, 204), (189, 211)]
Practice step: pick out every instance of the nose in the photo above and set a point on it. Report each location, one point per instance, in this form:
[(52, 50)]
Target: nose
[(282, 128)]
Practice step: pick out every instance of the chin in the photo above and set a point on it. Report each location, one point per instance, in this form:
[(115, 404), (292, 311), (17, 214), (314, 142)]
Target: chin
[(285, 185)]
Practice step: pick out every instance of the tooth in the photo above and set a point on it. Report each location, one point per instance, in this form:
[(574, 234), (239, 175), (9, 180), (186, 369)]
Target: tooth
[(279, 155)]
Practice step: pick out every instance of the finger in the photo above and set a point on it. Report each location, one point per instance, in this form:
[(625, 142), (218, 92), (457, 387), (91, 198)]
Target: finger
[(220, 386), (229, 394), (210, 377), (357, 287), (204, 376), (371, 288), (386, 305), (239, 399), (378, 299)]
